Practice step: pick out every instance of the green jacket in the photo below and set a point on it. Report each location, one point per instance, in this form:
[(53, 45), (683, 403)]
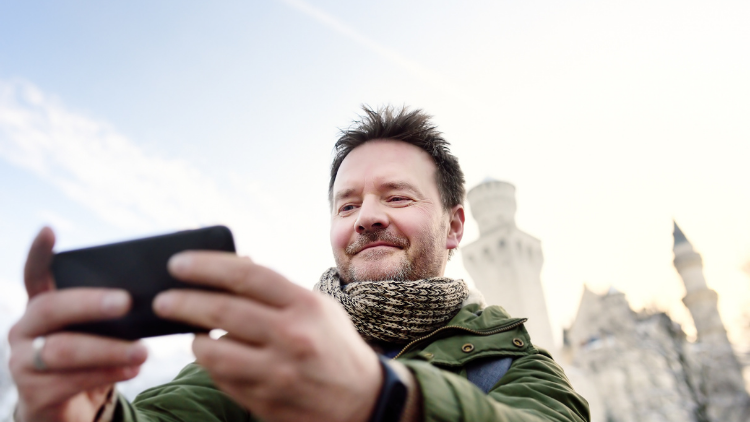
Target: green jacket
[(533, 389)]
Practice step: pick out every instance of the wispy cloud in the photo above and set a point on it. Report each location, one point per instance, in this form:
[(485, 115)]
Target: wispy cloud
[(93, 164), (413, 67), (56, 220)]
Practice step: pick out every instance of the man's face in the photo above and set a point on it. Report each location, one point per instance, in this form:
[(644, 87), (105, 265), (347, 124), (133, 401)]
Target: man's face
[(387, 220)]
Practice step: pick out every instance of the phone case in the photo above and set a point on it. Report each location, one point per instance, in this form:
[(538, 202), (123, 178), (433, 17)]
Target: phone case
[(140, 267)]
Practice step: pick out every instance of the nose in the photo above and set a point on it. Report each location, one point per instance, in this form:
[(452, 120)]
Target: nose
[(372, 217)]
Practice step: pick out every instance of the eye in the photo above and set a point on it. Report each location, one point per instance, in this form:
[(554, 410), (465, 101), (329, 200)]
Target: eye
[(398, 199), (347, 208)]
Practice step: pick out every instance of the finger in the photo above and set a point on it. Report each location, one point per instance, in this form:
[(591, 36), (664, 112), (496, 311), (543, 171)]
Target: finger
[(36, 273), (51, 388), (57, 309), (74, 351), (244, 319), (239, 275), (231, 360)]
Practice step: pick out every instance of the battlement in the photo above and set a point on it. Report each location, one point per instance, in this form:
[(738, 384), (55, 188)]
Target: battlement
[(493, 205)]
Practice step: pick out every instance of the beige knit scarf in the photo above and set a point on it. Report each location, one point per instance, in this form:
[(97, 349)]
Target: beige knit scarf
[(396, 311)]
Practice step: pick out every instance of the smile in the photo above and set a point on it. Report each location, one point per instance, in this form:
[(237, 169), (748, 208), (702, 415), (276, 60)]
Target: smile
[(379, 244)]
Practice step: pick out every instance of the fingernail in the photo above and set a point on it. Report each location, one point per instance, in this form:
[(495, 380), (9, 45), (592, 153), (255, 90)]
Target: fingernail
[(163, 303), (179, 263), (114, 303), (137, 353)]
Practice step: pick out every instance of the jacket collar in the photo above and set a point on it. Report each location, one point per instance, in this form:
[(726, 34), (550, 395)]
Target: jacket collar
[(473, 333)]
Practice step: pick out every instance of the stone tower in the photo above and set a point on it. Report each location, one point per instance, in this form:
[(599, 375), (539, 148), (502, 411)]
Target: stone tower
[(505, 262), (699, 299), (719, 371)]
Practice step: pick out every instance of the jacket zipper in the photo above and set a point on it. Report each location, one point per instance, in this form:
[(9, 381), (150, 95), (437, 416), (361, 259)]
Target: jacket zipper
[(457, 327)]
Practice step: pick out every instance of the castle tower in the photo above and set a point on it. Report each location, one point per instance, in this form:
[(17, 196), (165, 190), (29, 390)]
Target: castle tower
[(720, 373), (505, 262), (699, 299)]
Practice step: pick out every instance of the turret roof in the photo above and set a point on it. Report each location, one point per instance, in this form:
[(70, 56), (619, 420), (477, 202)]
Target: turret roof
[(679, 236)]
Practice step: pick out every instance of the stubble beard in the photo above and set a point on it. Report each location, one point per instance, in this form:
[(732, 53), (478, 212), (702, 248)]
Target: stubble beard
[(418, 262)]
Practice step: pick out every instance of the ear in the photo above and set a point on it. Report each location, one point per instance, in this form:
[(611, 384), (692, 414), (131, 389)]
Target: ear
[(455, 227)]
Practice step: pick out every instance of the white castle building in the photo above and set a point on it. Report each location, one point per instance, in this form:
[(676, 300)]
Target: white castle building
[(632, 367), (505, 262)]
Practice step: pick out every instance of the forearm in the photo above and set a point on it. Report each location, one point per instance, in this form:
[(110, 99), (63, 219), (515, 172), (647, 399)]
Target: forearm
[(191, 396)]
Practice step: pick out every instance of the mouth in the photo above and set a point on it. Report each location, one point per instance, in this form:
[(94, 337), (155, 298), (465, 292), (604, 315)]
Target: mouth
[(378, 244)]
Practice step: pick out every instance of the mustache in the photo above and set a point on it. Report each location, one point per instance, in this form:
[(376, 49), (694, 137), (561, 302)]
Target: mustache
[(377, 236)]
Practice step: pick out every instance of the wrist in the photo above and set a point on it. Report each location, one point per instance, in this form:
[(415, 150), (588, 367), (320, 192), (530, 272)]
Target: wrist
[(393, 393), (107, 409), (413, 407)]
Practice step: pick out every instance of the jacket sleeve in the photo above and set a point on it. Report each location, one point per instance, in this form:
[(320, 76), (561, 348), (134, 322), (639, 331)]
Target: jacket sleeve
[(191, 396), (534, 389)]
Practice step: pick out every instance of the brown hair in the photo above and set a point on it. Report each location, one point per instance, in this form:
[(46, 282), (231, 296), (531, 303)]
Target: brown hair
[(410, 126)]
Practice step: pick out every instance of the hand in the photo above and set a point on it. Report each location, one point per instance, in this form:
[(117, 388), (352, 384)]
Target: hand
[(81, 369), (290, 354)]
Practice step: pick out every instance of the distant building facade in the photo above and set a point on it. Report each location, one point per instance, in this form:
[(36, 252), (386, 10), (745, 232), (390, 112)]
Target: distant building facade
[(642, 364)]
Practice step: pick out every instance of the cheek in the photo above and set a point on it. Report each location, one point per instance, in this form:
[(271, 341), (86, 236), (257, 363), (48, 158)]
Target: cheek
[(414, 223), (340, 234)]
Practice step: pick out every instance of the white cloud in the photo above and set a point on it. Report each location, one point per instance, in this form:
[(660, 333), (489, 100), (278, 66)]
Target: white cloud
[(94, 165), (12, 304)]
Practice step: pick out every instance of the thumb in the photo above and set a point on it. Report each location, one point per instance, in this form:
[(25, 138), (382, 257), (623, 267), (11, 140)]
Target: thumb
[(36, 272)]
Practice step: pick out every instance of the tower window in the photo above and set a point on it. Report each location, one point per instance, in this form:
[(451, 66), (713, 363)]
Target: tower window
[(501, 244)]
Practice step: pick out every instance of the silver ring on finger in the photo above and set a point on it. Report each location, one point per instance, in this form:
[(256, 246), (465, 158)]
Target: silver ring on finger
[(38, 346)]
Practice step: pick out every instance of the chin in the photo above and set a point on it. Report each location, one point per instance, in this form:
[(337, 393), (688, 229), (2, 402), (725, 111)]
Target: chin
[(390, 268), (378, 275)]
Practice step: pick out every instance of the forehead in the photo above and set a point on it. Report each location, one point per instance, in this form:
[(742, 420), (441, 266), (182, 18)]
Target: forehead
[(383, 161)]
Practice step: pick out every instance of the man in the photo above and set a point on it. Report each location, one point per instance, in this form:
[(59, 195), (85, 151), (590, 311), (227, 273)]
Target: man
[(291, 354)]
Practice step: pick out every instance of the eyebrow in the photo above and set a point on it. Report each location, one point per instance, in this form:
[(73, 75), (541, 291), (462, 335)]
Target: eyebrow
[(400, 186), (346, 193), (343, 194)]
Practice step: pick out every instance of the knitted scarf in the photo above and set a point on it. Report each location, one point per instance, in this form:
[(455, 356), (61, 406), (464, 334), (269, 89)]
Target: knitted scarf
[(396, 311)]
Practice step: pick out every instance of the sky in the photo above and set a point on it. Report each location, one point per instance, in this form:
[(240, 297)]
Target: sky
[(120, 120)]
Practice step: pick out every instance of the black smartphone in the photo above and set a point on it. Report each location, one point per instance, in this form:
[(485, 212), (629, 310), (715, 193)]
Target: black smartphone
[(140, 267)]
